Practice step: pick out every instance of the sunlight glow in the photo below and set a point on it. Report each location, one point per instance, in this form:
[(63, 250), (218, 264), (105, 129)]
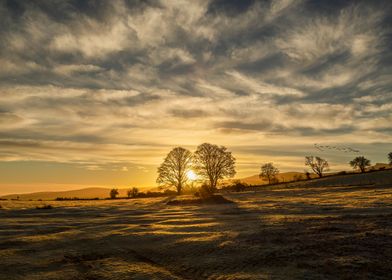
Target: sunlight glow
[(191, 175)]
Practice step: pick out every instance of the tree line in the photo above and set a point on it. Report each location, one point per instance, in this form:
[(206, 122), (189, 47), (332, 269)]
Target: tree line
[(212, 163)]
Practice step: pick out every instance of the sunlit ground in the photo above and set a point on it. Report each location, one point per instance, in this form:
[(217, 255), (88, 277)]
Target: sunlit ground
[(312, 233)]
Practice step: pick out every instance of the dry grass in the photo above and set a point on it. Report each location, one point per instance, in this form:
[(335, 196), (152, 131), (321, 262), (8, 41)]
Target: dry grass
[(296, 233)]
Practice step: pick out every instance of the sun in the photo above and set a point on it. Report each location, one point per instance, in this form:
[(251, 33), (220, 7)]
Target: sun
[(191, 175)]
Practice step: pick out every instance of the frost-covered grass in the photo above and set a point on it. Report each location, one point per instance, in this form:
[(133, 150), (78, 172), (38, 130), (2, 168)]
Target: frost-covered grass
[(312, 233)]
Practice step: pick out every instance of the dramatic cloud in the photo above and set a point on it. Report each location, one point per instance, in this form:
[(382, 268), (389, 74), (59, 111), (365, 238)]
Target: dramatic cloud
[(116, 84)]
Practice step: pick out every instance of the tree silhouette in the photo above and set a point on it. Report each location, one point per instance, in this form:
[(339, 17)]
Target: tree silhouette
[(113, 193), (214, 163), (317, 164), (360, 163), (133, 192), (269, 172), (390, 158), (172, 172)]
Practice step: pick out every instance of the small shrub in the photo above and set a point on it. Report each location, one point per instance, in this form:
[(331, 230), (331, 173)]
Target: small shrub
[(132, 193), (206, 191), (141, 195), (212, 199), (113, 193), (189, 190), (275, 180), (237, 186), (44, 207), (170, 192), (74, 198)]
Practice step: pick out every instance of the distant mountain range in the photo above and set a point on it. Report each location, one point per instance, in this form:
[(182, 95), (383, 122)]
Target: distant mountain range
[(104, 192)]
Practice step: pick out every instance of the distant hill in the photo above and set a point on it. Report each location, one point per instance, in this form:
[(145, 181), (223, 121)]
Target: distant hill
[(375, 178), (282, 177), (290, 176), (380, 165), (82, 193)]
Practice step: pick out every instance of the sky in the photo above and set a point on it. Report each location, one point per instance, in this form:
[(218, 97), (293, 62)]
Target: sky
[(96, 93)]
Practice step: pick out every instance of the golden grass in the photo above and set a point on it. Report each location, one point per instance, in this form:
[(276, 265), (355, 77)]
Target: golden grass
[(296, 233)]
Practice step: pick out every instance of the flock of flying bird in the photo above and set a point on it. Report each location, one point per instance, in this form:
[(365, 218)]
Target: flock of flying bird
[(337, 148)]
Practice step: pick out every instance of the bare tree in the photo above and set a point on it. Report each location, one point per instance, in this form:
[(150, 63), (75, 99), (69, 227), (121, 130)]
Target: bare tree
[(214, 163), (360, 163), (172, 172), (390, 158), (269, 172), (317, 164), (113, 193), (133, 192)]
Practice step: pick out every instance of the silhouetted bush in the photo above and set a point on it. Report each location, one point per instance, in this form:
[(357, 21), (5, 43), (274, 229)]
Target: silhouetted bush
[(275, 181), (132, 193), (206, 191), (44, 207), (212, 199), (190, 190), (74, 198), (238, 186), (141, 195), (113, 193), (156, 194), (169, 192)]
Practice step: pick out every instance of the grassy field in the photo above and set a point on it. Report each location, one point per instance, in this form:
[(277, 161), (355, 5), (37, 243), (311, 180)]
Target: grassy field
[(283, 233)]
